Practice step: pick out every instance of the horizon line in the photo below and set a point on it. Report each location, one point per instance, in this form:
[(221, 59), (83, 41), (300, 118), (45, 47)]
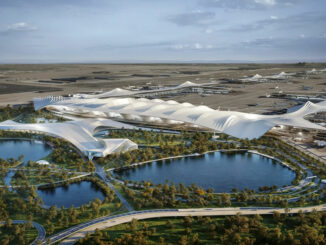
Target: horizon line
[(118, 62)]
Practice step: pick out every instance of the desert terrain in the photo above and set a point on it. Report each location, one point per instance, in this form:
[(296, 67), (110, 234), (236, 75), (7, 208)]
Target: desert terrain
[(21, 83)]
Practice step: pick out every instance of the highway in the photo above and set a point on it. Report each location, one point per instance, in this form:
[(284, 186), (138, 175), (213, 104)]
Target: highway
[(74, 233), (40, 229)]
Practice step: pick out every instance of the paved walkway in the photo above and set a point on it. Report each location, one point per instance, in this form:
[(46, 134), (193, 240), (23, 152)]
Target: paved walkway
[(75, 233), (304, 149), (57, 182), (102, 174)]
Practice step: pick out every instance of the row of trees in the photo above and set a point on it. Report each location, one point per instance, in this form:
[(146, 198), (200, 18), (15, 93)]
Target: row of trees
[(26, 113), (144, 136), (193, 196), (10, 112), (198, 143), (146, 195), (15, 233), (11, 162), (24, 202), (41, 175), (64, 153), (166, 195), (266, 145), (43, 113), (231, 230)]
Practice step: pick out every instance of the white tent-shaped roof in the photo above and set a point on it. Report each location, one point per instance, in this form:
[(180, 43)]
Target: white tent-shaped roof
[(80, 134), (237, 124)]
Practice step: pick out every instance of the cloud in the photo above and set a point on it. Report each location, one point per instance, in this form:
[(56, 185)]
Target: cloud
[(310, 45), (283, 49), (47, 3), (195, 18), (124, 46), (247, 4), (193, 46), (266, 2), (300, 20), (208, 31), (19, 27), (258, 43), (164, 45)]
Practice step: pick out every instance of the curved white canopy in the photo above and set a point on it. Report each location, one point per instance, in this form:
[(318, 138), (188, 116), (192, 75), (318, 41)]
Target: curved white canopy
[(119, 92), (80, 134), (237, 124)]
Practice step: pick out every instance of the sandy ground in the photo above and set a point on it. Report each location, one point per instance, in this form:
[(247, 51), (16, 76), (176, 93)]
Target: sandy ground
[(21, 83)]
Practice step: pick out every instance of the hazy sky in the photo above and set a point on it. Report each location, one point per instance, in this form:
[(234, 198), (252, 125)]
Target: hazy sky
[(162, 30)]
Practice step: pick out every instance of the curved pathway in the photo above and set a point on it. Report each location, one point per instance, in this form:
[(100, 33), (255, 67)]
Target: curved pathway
[(102, 174), (40, 229), (57, 182), (74, 233)]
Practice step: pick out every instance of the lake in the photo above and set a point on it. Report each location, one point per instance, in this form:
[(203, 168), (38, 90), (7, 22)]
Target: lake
[(218, 170), (32, 150), (75, 194), (14, 148)]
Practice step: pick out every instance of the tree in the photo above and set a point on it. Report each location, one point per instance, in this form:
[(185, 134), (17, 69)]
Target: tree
[(183, 240), (8, 223), (90, 166), (187, 221), (161, 241), (52, 212), (195, 239), (51, 228), (277, 217), (134, 224), (5, 240), (169, 224), (188, 231)]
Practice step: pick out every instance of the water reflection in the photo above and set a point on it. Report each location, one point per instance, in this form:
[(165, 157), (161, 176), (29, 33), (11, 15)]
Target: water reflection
[(220, 171), (75, 194)]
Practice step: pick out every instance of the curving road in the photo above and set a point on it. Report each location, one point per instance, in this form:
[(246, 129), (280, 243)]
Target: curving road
[(40, 229), (41, 232), (102, 174), (73, 234)]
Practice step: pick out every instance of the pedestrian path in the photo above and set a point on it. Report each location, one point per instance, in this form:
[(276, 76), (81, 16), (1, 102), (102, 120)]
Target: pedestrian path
[(102, 174)]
